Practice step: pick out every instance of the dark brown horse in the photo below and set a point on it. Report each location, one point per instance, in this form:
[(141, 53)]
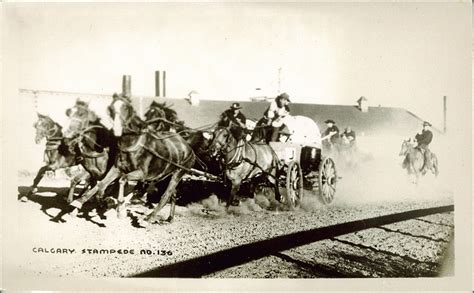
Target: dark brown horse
[(58, 154), (414, 160), (244, 161), (144, 155), (96, 145)]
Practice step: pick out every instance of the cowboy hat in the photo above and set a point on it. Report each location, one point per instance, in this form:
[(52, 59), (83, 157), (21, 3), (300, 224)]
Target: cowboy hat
[(235, 106), (426, 123), (284, 96), (330, 121)]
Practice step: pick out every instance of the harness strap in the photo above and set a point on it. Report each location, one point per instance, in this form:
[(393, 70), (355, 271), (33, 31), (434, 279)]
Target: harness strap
[(140, 144)]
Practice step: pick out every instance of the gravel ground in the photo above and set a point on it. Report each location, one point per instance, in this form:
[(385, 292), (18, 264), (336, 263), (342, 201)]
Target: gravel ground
[(205, 227)]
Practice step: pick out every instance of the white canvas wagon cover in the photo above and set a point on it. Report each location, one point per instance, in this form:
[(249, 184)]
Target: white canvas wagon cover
[(303, 130)]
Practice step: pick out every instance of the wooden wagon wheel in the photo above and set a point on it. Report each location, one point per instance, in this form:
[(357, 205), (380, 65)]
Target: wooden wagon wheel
[(294, 185), (327, 180)]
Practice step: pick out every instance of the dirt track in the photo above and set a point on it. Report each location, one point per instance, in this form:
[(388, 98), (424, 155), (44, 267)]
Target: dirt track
[(411, 248)]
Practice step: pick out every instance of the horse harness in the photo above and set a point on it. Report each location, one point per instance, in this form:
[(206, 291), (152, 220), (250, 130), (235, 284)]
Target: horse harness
[(238, 158), (140, 145)]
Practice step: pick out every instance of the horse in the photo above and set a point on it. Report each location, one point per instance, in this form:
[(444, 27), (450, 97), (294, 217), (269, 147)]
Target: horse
[(58, 153), (96, 144), (143, 155), (161, 117), (414, 160), (244, 161)]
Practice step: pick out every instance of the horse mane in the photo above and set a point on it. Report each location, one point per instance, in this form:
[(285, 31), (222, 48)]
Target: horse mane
[(50, 120), (170, 114)]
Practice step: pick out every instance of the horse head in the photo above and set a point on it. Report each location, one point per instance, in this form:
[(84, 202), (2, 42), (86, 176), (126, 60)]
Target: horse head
[(122, 113), (80, 116), (162, 117), (45, 127), (222, 139), (407, 145)]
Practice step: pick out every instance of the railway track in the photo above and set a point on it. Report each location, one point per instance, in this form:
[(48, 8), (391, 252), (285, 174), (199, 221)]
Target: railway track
[(405, 244)]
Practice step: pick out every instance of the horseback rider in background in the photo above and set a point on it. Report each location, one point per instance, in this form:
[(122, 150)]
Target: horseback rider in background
[(277, 110), (233, 119), (331, 135), (423, 140)]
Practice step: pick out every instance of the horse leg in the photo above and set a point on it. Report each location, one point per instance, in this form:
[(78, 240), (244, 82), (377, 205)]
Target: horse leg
[(434, 165), (76, 180), (173, 206), (233, 192), (132, 176), (273, 180), (38, 177), (113, 174), (175, 178)]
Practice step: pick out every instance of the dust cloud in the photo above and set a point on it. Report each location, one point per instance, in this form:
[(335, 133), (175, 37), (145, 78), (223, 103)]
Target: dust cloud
[(373, 174)]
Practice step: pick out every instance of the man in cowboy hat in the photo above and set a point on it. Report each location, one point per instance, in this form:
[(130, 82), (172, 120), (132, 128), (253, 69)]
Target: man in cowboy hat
[(423, 140), (332, 132), (234, 119), (277, 110)]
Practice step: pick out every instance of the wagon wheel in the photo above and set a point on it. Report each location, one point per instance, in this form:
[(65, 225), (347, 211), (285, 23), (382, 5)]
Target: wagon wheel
[(327, 180), (294, 185)]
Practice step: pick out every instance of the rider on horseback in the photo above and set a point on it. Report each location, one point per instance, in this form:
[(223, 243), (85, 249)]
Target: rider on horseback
[(331, 134), (275, 112), (234, 119), (423, 140)]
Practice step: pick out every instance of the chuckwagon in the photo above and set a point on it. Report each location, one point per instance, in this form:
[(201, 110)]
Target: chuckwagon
[(305, 166)]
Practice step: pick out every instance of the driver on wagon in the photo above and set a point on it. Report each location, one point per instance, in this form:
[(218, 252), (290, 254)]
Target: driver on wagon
[(277, 110)]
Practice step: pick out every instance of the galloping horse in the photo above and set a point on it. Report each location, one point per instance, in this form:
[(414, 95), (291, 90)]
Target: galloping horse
[(57, 154), (414, 160), (96, 144), (143, 155), (244, 161), (161, 117)]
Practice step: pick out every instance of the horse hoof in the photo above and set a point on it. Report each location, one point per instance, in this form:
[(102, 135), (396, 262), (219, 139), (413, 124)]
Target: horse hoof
[(170, 219), (74, 213), (110, 202), (76, 204)]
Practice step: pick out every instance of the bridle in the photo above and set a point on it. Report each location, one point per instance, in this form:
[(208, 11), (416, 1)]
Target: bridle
[(126, 122), (49, 132), (223, 147)]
